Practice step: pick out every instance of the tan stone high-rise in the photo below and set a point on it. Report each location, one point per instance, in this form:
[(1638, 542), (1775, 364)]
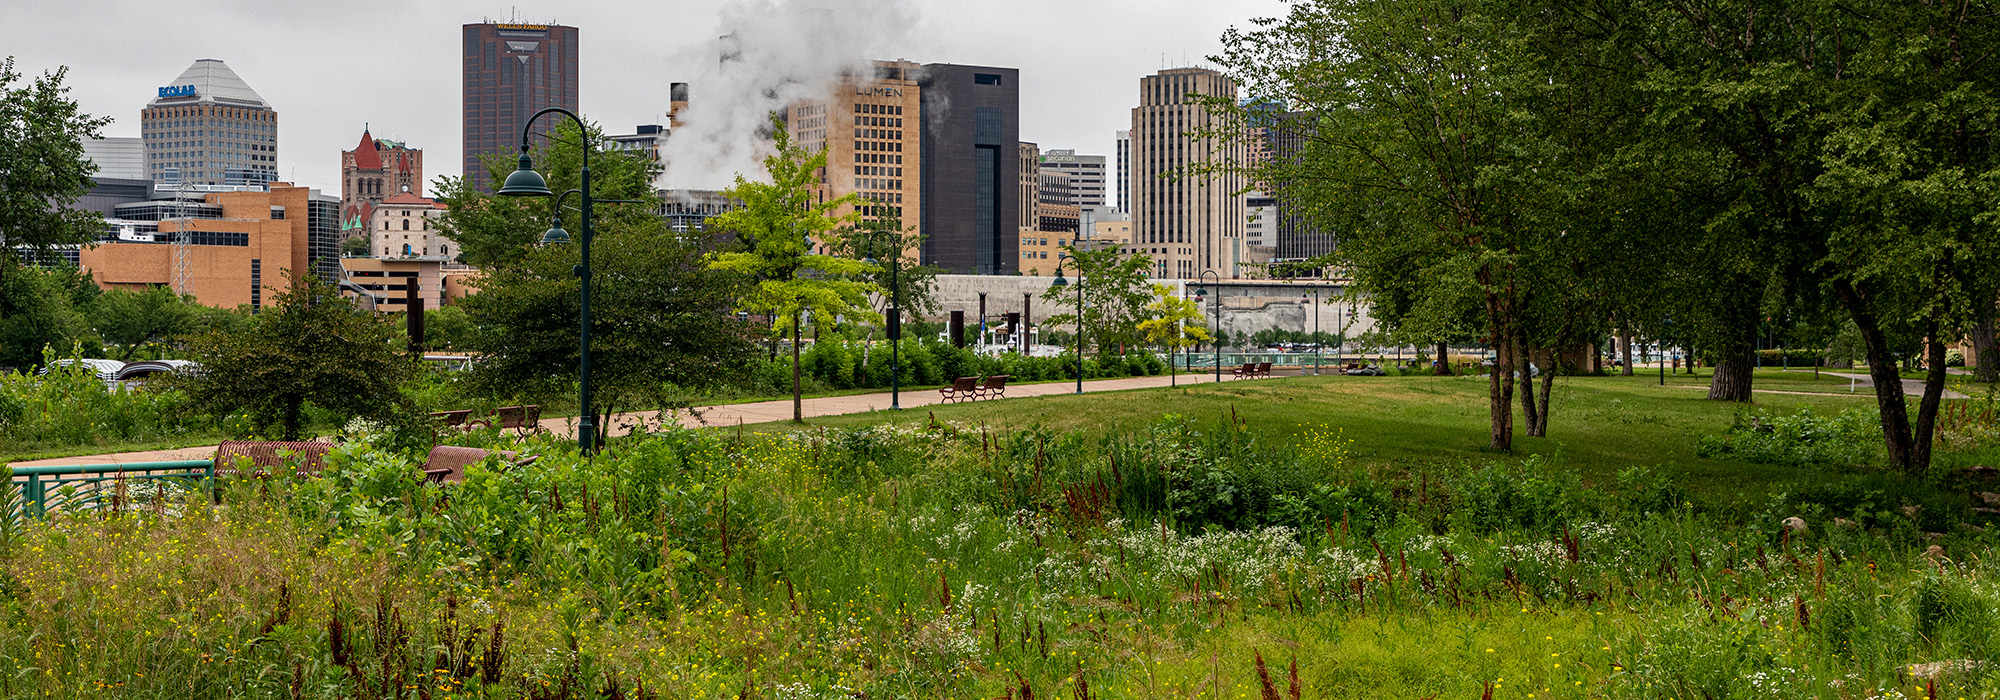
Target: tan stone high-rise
[(1187, 222), (870, 128)]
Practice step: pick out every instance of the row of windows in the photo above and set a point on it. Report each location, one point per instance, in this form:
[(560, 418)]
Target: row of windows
[(1044, 241), (878, 109), (223, 238), (894, 146), (877, 170), (878, 158), (864, 120), (870, 183), (878, 134)]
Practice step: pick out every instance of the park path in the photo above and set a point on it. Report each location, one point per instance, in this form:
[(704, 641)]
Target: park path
[(1911, 387), (724, 414)]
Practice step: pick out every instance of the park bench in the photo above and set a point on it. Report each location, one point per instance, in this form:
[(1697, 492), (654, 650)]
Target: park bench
[(961, 389), (521, 419), (452, 421), (266, 455), (446, 463), (1263, 369), (995, 387), (1249, 369)]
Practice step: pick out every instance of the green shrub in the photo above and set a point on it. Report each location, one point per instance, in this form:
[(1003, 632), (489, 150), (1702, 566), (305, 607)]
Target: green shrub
[(1852, 438)]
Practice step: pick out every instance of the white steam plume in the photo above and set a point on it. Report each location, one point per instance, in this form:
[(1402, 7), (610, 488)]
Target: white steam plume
[(761, 57)]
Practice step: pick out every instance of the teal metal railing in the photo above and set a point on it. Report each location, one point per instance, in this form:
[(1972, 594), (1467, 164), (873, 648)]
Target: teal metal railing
[(79, 487)]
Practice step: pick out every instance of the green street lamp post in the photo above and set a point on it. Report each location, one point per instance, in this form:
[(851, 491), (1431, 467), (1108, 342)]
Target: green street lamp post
[(1200, 292), (525, 182), (1060, 282), (895, 322), (1315, 329)]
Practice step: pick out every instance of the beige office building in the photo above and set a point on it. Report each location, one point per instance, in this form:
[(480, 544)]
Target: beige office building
[(871, 129), (1190, 223)]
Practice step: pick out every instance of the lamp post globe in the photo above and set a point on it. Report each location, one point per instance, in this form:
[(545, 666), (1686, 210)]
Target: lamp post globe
[(524, 181)]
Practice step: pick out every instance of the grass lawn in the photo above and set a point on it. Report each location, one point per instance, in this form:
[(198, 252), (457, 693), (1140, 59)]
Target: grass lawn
[(1599, 425)]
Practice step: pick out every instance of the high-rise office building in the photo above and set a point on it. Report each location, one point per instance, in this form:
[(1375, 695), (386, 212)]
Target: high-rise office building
[(1293, 234), (209, 128), (1085, 173), (375, 170), (1193, 221), (1124, 173), (971, 154), (868, 129), (510, 72)]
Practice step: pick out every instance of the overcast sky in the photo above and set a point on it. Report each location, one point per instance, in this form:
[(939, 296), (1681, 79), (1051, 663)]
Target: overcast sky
[(329, 67)]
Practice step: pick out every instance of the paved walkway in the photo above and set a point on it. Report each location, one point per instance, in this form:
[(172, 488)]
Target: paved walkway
[(726, 414), (1911, 387), (781, 409)]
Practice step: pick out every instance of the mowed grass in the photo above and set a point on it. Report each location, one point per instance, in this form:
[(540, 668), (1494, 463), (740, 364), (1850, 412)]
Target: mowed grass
[(1598, 425)]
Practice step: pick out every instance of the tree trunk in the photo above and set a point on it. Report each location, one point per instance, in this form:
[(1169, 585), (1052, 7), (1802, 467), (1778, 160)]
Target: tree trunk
[(1882, 369), (798, 405), (1625, 348), (1548, 389), (1927, 408), (1443, 360), (1985, 348), (1500, 388), (1525, 364), (1731, 379)]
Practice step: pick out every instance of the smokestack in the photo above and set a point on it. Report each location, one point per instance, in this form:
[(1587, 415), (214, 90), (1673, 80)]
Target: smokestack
[(678, 105)]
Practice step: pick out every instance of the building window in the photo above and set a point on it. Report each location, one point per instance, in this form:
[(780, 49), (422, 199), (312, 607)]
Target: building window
[(985, 79)]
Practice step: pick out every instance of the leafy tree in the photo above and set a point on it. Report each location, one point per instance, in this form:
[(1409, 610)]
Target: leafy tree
[(491, 230), (1173, 322), (449, 328), (355, 247), (42, 313), (132, 319), (1450, 144), (42, 173), (1116, 295), (1911, 188), (778, 225), (311, 347), (660, 319), (42, 167)]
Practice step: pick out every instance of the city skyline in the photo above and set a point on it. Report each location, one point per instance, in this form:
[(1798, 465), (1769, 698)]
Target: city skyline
[(1075, 99)]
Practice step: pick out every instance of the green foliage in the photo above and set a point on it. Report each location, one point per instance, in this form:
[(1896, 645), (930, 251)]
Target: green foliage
[(778, 225), (1117, 298), (1848, 439), (492, 230), (39, 311), (134, 320), (804, 563), (70, 407), (1173, 323), (42, 168), (658, 317), (449, 328), (310, 347)]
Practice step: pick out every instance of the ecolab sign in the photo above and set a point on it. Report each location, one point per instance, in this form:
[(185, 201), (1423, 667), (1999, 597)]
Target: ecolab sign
[(177, 91)]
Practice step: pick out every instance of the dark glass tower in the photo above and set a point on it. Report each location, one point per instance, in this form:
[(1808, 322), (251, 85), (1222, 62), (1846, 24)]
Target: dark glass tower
[(971, 161), (512, 71)]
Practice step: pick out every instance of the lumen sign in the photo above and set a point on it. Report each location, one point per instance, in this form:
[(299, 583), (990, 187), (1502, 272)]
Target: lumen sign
[(177, 91)]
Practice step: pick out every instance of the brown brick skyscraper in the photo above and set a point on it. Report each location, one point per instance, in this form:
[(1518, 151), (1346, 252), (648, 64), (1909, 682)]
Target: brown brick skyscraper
[(512, 71)]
